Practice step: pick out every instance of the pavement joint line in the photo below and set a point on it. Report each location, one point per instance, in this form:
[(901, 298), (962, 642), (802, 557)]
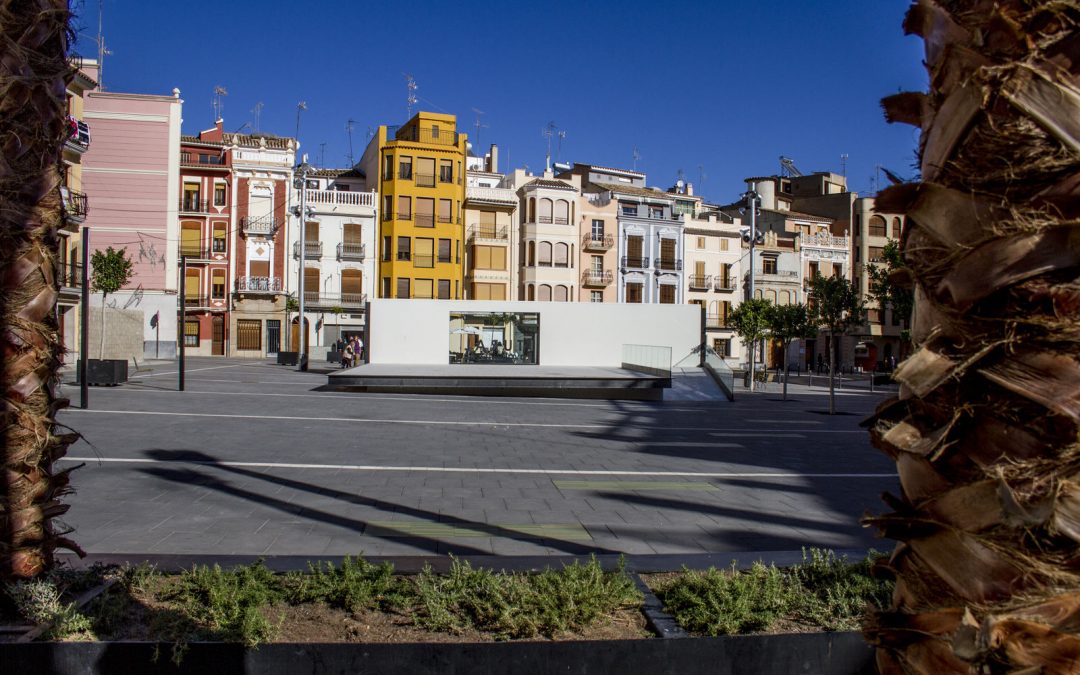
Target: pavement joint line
[(186, 371), (485, 423), (408, 528), (635, 486), (452, 469)]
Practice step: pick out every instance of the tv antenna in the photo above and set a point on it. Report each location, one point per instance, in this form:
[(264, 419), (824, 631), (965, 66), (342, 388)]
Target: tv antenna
[(843, 165), (558, 149), (701, 176), (411, 87), (102, 51), (549, 133), (636, 156), (479, 125), (257, 111), (681, 176), (322, 154), (300, 107), (217, 103), (348, 130)]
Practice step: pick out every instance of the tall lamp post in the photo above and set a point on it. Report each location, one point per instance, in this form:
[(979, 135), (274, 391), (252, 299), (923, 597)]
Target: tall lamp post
[(303, 170), (753, 203)]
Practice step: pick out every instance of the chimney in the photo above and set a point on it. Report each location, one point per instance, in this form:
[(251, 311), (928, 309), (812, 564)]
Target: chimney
[(689, 189), (493, 159)]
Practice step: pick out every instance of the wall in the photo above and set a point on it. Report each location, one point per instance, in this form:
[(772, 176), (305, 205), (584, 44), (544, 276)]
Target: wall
[(571, 333), (123, 333)]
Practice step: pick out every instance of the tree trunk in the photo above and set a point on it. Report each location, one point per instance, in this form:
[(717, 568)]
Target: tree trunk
[(832, 381), (753, 347), (33, 125), (101, 350), (984, 430), (786, 346)]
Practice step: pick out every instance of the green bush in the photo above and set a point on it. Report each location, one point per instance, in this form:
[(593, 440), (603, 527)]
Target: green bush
[(229, 603), (39, 601), (521, 605), (355, 585), (835, 593)]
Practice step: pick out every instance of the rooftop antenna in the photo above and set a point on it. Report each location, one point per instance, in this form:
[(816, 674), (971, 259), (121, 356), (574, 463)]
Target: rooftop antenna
[(478, 126), (636, 155), (558, 149), (348, 130), (300, 107), (548, 132), (257, 111), (102, 50), (843, 165), (681, 175), (411, 87), (701, 177), (218, 104), (322, 154), (875, 180)]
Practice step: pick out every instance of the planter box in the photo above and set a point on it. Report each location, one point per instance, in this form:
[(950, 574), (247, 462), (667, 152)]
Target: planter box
[(288, 358), (104, 372), (333, 356), (818, 653)]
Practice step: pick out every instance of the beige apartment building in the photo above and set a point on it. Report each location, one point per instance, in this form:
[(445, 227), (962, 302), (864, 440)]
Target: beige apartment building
[(492, 258), (548, 214), (880, 338)]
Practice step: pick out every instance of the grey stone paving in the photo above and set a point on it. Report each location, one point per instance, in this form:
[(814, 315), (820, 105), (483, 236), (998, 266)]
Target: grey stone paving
[(253, 460)]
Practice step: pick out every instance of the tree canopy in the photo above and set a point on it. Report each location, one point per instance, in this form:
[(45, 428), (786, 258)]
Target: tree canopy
[(111, 269), (750, 320), (884, 288), (835, 305)]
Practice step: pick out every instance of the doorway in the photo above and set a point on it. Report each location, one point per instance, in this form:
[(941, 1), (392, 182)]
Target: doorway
[(217, 332), (273, 336), (294, 340)]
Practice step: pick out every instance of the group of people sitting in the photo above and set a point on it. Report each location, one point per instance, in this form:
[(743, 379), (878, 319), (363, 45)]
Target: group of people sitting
[(352, 351)]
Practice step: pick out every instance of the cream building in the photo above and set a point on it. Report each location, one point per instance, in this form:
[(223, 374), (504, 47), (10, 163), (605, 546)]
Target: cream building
[(492, 255), (547, 216)]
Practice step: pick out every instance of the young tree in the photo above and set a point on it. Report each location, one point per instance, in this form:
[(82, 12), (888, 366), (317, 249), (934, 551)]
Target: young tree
[(887, 291), (788, 323), (33, 123), (111, 269), (835, 306), (750, 322), (985, 434)]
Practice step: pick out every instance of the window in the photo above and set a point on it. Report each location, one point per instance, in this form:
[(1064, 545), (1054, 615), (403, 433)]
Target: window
[(405, 168), (352, 286), (814, 271), (544, 293), (311, 184), (768, 265), (423, 288), (404, 249), (701, 243), (191, 197), (561, 294), (385, 287), (837, 270), (597, 229), (876, 253), (634, 246), (596, 265), (562, 255), (404, 207), (545, 211), (530, 292), (403, 287), (446, 211), (562, 212), (425, 212), (627, 209), (656, 211), (667, 254), (877, 226), (722, 346), (388, 167), (425, 171), (387, 207), (217, 284), (424, 256), (544, 254), (386, 254), (446, 171), (444, 289), (896, 228), (444, 251), (487, 291), (489, 257), (249, 334), (350, 233), (532, 210), (531, 256), (219, 236), (434, 132), (190, 239), (633, 293), (596, 296), (723, 244), (311, 284), (667, 294), (191, 333), (873, 316), (219, 194)]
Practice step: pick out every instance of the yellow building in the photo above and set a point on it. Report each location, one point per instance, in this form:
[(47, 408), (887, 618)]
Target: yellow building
[(419, 169)]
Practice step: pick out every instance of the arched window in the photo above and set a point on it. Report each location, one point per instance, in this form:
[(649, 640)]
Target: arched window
[(545, 211), (545, 254), (532, 255), (770, 295), (758, 293), (896, 228), (545, 293), (562, 255), (530, 292), (532, 210), (562, 212), (877, 227), (561, 294)]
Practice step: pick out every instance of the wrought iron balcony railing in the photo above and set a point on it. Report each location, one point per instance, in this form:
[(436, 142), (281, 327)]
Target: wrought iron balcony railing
[(351, 251)]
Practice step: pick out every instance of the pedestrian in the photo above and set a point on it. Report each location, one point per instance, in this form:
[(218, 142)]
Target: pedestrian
[(347, 356), (359, 348)]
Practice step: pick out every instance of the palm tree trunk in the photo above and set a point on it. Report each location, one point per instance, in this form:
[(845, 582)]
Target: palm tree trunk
[(33, 73), (984, 431)]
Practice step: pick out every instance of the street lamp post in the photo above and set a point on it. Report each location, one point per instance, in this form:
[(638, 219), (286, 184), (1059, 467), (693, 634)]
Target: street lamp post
[(752, 201), (303, 170)]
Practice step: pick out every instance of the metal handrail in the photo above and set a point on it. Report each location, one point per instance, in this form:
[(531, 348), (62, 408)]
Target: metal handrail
[(635, 262)]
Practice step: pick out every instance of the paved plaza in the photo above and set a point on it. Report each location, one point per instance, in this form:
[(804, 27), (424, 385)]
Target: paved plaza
[(253, 459)]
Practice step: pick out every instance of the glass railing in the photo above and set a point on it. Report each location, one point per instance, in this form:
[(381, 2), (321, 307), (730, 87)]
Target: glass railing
[(721, 372), (652, 359)]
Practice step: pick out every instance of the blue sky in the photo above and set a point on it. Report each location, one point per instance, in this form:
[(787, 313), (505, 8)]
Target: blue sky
[(725, 86)]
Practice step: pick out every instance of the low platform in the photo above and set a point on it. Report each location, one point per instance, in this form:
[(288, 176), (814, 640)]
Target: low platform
[(501, 380)]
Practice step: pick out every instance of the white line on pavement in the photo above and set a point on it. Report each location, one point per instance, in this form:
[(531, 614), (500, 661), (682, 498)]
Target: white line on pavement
[(186, 371), (451, 469), (484, 423), (775, 421)]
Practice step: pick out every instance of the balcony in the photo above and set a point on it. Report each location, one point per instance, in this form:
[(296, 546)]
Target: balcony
[(338, 198), (195, 252), (597, 278), (312, 249), (487, 233), (351, 251), (334, 301), (669, 264), (592, 242), (635, 263), (194, 205), (448, 177), (420, 135), (78, 135), (722, 284), (789, 276), (76, 204), (258, 285), (490, 195), (717, 321), (423, 260), (390, 215), (193, 301), (700, 282), (425, 219), (69, 276), (264, 226), (425, 180)]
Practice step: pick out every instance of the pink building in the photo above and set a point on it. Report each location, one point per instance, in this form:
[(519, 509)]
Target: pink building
[(132, 174)]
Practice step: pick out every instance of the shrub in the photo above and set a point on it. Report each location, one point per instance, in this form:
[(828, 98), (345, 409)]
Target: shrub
[(355, 585), (228, 603), (39, 601)]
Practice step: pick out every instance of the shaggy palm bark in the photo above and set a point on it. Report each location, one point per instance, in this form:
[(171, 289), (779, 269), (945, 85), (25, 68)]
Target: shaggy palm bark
[(33, 73), (985, 429)]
